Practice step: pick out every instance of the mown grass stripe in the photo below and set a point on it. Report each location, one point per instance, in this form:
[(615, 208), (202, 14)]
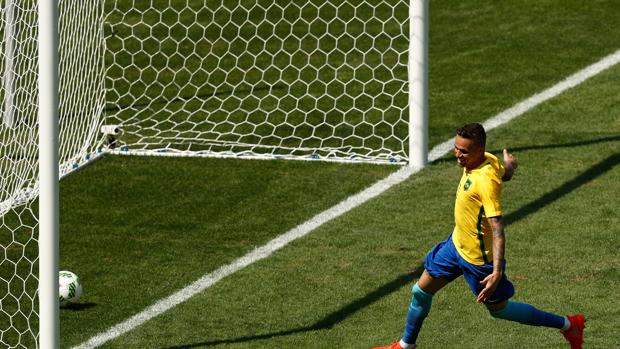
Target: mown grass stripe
[(397, 177)]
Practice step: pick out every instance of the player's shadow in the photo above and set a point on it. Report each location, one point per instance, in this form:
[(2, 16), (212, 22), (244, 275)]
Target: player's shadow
[(328, 321), (340, 315)]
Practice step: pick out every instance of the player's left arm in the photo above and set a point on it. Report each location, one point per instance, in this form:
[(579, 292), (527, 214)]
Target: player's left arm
[(499, 243), (490, 192)]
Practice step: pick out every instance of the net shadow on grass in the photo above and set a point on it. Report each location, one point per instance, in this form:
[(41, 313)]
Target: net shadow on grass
[(328, 321), (340, 315)]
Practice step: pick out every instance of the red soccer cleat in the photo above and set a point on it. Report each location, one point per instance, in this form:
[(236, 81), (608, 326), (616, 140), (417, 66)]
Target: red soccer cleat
[(574, 334), (395, 345)]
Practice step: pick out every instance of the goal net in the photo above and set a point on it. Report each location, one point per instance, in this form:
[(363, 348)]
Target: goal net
[(311, 79), (316, 79), (81, 114)]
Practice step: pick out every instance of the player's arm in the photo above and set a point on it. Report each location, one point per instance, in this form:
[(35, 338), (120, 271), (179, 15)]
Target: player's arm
[(510, 165), (499, 243)]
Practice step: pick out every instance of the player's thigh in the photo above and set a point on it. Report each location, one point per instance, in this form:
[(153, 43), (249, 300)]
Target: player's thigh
[(474, 274), (431, 284)]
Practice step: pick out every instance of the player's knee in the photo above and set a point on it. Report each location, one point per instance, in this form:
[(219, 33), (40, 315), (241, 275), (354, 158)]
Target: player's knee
[(498, 313), (421, 299), (505, 311), (498, 310)]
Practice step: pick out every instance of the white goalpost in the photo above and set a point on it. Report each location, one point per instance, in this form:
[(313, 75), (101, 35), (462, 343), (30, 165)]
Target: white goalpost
[(32, 159), (418, 84), (8, 78), (318, 80), (49, 324)]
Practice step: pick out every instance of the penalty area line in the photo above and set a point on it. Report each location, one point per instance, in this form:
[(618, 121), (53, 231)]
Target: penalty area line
[(346, 205)]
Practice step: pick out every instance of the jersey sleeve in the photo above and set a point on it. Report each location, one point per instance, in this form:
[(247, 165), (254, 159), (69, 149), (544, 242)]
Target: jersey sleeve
[(490, 192)]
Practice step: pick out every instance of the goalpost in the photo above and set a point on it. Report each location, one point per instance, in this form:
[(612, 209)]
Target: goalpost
[(31, 161), (313, 80), (49, 326)]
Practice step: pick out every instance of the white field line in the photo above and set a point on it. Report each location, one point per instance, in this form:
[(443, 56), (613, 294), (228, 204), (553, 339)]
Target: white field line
[(348, 204), (533, 101)]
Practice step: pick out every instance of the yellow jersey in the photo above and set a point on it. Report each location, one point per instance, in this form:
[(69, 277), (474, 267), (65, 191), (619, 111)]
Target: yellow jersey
[(477, 199)]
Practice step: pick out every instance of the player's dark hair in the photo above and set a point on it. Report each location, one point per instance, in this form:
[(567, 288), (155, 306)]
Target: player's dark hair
[(475, 132)]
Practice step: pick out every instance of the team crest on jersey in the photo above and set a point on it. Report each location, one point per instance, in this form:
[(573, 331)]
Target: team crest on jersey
[(467, 184)]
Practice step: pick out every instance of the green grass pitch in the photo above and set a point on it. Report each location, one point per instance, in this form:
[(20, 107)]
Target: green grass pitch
[(137, 229)]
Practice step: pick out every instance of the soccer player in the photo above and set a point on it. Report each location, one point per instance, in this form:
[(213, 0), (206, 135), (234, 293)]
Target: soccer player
[(475, 249)]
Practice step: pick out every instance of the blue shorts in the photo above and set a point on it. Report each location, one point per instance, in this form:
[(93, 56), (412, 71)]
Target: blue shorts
[(444, 261)]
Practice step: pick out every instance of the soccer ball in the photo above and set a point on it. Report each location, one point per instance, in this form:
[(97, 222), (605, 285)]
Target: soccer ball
[(69, 288)]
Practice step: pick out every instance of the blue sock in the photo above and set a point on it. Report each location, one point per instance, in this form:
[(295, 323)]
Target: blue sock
[(529, 315), (418, 309)]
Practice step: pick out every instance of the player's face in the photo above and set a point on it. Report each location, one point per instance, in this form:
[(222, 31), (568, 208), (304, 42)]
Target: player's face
[(467, 153)]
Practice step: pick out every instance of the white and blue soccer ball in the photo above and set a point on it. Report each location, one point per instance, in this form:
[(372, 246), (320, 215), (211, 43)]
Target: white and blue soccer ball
[(69, 288)]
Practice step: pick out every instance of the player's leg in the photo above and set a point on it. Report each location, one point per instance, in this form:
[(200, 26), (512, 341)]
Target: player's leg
[(501, 307), (421, 299), (499, 304), (571, 326), (430, 284), (440, 267), (526, 314)]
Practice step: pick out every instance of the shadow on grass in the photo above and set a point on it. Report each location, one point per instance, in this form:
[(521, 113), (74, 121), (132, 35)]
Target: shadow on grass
[(340, 315), (585, 177), (516, 150), (79, 306), (328, 321)]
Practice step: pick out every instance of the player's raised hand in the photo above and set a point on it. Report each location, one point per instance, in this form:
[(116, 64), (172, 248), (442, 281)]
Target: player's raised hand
[(510, 164), (510, 160)]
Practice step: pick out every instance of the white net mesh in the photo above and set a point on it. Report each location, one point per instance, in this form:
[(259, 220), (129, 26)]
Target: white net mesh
[(81, 106), (320, 78)]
